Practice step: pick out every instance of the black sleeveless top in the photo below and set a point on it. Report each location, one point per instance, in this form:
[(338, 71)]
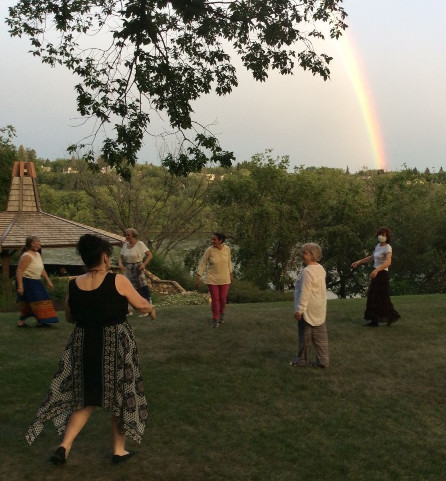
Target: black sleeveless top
[(100, 307)]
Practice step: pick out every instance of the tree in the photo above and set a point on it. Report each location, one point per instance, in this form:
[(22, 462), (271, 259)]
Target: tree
[(413, 205), (75, 205), (21, 154), (165, 209), (8, 155), (345, 228), (266, 211), (161, 55)]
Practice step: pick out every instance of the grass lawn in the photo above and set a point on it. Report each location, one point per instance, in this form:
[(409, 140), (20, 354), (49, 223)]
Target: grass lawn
[(225, 405)]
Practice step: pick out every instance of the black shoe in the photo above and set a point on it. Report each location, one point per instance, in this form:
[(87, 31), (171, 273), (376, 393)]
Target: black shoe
[(116, 459), (58, 457), (371, 324)]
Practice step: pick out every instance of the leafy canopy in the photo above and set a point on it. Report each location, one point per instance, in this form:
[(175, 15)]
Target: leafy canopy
[(157, 57), (8, 154)]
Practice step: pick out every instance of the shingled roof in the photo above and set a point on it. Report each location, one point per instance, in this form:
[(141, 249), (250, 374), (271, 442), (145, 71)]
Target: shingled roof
[(24, 216)]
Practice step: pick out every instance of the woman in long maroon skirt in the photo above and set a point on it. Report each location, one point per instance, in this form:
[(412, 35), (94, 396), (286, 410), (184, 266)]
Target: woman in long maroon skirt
[(379, 307)]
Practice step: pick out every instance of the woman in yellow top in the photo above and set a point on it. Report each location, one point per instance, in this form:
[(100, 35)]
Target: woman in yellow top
[(31, 294), (216, 261)]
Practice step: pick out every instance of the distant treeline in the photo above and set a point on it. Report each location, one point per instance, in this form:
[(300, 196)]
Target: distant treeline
[(267, 210)]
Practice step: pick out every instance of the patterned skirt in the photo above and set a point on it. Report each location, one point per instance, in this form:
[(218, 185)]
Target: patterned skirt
[(379, 307), (108, 376), (35, 301), (135, 276)]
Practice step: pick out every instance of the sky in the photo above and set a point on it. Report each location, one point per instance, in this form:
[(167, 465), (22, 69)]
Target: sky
[(383, 107)]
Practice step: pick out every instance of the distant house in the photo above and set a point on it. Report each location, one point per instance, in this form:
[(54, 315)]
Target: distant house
[(70, 170)]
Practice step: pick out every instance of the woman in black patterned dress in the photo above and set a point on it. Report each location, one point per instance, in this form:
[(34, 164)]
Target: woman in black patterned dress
[(99, 366)]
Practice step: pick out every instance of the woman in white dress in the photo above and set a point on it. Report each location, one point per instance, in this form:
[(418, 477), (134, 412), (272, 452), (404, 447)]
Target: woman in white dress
[(133, 260)]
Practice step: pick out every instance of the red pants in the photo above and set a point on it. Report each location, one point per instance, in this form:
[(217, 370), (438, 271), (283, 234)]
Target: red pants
[(219, 296)]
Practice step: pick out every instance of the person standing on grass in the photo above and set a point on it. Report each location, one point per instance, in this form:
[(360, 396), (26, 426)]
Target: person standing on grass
[(216, 261), (310, 308), (379, 307), (32, 296), (100, 365), (132, 255)]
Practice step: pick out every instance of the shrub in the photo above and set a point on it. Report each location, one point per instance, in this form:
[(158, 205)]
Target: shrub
[(186, 299), (7, 293), (60, 288), (173, 270)]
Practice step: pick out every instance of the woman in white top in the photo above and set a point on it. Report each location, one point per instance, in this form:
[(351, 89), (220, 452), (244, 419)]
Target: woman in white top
[(33, 297), (132, 255), (310, 308), (379, 307), (216, 261)]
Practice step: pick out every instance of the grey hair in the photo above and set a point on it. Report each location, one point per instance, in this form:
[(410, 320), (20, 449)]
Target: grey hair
[(28, 243), (29, 240), (132, 231), (314, 250)]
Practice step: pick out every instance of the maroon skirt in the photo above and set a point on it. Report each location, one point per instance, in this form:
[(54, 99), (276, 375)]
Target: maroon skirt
[(379, 307)]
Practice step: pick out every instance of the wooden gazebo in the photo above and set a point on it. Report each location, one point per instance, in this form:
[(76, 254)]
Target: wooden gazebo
[(24, 216)]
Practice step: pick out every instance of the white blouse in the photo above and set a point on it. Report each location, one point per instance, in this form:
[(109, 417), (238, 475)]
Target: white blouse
[(380, 254), (34, 270), (134, 254), (310, 294)]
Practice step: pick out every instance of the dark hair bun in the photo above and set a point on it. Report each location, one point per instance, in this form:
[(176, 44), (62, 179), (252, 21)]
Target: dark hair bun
[(91, 248)]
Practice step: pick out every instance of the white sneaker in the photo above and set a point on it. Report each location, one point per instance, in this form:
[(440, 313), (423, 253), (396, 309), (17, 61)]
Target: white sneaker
[(130, 313), (144, 315)]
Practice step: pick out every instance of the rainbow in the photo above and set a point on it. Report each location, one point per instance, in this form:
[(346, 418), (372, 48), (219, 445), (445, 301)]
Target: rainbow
[(351, 60)]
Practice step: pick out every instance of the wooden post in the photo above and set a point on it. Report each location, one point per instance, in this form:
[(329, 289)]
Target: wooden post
[(5, 264)]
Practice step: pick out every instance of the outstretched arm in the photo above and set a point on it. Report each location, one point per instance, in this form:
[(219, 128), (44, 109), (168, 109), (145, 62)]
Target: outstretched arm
[(125, 288), (362, 261)]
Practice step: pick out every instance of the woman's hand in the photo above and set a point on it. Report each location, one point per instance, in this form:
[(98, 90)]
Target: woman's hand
[(355, 264), (20, 290), (374, 273), (141, 267), (152, 313), (49, 284), (298, 316)]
